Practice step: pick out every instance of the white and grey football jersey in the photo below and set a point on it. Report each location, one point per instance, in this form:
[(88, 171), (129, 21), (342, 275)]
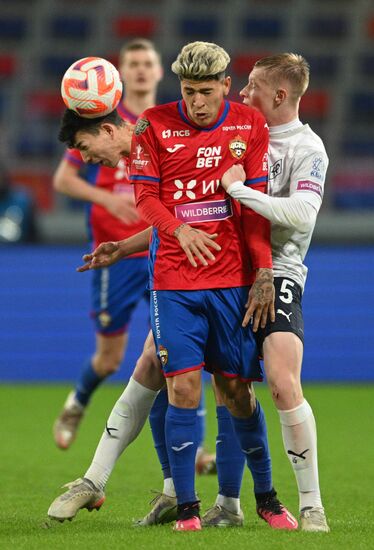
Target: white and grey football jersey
[(297, 164)]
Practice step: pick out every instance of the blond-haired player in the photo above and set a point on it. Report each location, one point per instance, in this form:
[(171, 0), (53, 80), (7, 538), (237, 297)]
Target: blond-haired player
[(297, 170)]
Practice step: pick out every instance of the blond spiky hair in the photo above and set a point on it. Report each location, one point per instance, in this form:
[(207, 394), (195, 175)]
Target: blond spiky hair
[(200, 61), (287, 66)]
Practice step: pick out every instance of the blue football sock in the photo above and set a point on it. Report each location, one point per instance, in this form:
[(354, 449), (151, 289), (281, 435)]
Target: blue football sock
[(87, 384), (229, 456), (157, 422), (252, 435), (201, 413), (180, 432)]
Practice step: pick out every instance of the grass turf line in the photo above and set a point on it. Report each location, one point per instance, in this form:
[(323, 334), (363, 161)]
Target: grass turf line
[(32, 469)]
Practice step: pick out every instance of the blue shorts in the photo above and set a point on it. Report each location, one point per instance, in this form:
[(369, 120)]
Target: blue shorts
[(115, 293), (202, 328)]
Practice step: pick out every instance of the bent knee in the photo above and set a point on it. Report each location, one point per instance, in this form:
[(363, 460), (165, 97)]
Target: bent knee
[(106, 364), (184, 391), (286, 393)]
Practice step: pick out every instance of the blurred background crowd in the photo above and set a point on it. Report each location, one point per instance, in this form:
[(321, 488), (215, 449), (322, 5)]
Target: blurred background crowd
[(39, 39)]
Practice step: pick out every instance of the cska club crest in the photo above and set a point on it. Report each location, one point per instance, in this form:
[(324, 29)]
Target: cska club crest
[(163, 353), (104, 319), (237, 147)]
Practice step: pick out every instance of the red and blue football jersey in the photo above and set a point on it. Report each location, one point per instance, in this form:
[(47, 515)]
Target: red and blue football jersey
[(177, 167), (103, 226)]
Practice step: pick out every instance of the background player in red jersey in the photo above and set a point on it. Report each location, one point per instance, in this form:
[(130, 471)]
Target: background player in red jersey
[(112, 215)]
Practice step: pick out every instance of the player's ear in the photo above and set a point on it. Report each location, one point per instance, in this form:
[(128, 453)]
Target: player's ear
[(280, 96), (108, 129), (160, 73), (226, 85)]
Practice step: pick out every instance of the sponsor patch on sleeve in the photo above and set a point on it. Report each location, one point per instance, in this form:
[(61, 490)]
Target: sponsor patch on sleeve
[(141, 126), (307, 185)]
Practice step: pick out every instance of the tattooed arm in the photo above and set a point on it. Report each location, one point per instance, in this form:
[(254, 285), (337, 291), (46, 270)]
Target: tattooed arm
[(260, 302)]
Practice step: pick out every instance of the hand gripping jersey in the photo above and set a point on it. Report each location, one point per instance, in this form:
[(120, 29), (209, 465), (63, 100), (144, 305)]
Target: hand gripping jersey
[(176, 167), (102, 225), (297, 164)]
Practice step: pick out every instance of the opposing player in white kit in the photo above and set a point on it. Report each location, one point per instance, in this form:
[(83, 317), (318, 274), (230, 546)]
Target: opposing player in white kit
[(297, 169)]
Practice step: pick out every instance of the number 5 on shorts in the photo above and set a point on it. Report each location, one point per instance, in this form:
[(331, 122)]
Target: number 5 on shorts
[(287, 292)]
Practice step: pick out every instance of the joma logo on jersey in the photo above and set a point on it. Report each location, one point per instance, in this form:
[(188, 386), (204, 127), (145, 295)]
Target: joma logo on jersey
[(208, 157), (207, 187), (175, 133)]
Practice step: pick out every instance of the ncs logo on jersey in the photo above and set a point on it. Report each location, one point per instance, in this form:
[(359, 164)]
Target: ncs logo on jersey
[(174, 133), (237, 147)]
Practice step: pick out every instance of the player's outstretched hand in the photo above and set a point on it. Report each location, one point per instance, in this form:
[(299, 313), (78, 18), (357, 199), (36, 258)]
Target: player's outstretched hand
[(197, 244), (260, 304), (235, 173), (104, 255)]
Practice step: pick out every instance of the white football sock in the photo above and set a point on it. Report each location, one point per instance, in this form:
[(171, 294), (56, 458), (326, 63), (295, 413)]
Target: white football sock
[(123, 425), (230, 503), (169, 488), (300, 442)]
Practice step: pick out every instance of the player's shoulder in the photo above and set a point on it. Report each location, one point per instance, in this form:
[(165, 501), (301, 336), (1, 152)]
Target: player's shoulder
[(155, 117), (314, 138), (160, 111), (73, 156), (311, 141)]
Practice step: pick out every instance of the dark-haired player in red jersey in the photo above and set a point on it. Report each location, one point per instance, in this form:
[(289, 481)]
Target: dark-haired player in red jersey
[(116, 290)]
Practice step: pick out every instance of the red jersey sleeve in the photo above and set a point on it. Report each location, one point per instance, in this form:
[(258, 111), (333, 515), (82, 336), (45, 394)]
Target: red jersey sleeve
[(255, 227), (144, 173), (73, 156)]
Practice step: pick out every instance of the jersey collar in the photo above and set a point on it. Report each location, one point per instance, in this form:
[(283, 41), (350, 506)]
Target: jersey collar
[(225, 107), (125, 113), (275, 130)]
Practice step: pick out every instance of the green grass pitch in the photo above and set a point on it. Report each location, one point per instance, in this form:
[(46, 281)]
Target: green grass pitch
[(32, 470)]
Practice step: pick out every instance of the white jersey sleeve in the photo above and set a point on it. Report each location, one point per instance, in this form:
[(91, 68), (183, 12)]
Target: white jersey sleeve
[(308, 174), (298, 211)]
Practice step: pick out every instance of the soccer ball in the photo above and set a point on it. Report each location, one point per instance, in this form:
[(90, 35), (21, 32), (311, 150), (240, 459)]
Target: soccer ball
[(91, 87)]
